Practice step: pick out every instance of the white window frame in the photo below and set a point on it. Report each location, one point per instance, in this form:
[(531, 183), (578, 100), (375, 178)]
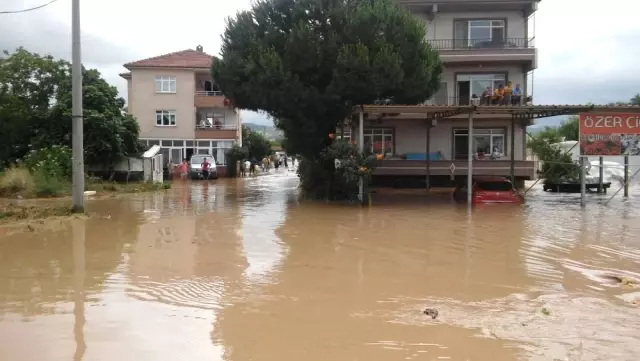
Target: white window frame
[(170, 117), (385, 133), (491, 26), (483, 132), (166, 84), (498, 78)]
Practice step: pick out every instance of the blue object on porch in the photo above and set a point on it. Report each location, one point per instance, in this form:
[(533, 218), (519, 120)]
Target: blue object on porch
[(423, 156)]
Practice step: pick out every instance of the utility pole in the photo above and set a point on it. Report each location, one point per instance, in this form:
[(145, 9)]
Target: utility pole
[(76, 111)]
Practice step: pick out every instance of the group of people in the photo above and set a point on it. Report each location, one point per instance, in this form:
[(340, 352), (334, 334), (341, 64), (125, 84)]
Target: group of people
[(502, 95), (249, 167)]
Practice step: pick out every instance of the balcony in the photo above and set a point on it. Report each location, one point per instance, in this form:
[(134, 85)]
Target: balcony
[(218, 131), (465, 51), (462, 100), (210, 99)]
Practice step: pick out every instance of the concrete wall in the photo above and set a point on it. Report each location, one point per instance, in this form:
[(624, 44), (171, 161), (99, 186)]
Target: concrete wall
[(144, 101)]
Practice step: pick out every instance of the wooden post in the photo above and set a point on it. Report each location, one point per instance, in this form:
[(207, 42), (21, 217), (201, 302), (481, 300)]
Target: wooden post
[(470, 161), (583, 181), (428, 146), (513, 150), (626, 176), (361, 149), (601, 176)]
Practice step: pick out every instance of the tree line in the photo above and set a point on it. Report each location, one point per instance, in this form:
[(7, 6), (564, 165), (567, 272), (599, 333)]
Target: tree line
[(35, 110)]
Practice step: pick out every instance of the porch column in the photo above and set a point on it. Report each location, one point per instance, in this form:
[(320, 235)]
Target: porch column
[(361, 149), (470, 160), (513, 149), (427, 123)]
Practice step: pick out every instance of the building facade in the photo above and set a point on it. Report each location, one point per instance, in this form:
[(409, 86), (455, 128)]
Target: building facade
[(484, 44), (180, 107)]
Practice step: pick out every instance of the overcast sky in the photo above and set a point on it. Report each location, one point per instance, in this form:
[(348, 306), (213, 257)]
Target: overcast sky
[(588, 49)]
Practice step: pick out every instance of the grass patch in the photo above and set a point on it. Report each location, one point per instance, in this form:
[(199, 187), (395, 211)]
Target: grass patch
[(14, 212), (17, 181), (133, 187)]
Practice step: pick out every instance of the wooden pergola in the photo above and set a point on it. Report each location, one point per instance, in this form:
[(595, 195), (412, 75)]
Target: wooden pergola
[(517, 112)]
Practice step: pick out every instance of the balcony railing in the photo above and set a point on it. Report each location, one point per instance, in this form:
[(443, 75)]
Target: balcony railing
[(209, 93), (481, 44), (505, 101), (216, 127)]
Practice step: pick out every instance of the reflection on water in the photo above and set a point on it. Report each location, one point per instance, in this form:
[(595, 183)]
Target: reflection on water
[(240, 270)]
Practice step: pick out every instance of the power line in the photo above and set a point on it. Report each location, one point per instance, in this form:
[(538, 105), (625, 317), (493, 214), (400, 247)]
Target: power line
[(29, 9)]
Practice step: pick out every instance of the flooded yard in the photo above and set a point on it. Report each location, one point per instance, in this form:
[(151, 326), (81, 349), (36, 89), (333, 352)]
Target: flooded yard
[(241, 270)]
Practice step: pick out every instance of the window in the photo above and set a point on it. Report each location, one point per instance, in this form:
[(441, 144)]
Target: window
[(379, 140), (211, 119), (219, 151), (165, 84), (346, 136), (487, 141), (165, 118), (469, 85), (479, 33), (376, 140)]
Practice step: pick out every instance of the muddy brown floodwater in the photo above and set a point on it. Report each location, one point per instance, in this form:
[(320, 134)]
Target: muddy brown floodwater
[(241, 270)]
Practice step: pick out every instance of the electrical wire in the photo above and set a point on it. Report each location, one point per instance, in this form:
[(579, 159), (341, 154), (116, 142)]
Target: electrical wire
[(29, 9)]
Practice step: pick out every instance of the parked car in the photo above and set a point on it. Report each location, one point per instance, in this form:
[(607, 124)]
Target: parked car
[(195, 166), (489, 189)]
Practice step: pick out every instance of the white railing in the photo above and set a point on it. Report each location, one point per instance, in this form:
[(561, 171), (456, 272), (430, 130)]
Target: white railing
[(216, 127), (209, 93)]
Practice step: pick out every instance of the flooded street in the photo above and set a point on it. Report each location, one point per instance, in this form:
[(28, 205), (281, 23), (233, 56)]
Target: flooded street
[(241, 270)]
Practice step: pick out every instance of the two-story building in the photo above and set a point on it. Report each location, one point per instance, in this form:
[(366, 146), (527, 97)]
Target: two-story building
[(484, 45), (180, 107)]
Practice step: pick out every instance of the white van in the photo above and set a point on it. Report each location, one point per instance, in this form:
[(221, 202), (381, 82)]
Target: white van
[(195, 166)]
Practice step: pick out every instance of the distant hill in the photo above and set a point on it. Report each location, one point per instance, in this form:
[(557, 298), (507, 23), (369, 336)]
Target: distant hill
[(269, 132)]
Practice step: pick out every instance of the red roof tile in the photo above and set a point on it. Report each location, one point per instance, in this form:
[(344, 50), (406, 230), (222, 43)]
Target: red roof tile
[(181, 59)]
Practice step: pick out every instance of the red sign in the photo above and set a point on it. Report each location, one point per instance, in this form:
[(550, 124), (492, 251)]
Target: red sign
[(609, 133)]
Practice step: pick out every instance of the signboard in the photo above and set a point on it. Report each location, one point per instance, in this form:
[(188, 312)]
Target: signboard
[(609, 134)]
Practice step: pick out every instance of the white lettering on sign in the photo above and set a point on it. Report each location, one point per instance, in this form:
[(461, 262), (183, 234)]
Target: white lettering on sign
[(612, 121)]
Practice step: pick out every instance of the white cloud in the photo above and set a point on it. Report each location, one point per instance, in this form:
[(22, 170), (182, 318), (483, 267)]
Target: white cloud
[(587, 48)]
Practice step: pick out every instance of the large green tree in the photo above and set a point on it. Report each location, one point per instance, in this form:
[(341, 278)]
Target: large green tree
[(35, 110), (308, 62)]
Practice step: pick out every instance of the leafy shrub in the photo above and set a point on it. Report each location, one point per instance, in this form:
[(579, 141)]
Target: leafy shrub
[(336, 173), (47, 185), (52, 162), (16, 180), (235, 154)]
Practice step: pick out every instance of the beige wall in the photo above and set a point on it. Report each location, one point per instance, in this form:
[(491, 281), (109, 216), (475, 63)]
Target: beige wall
[(410, 135), (143, 103), (442, 25)]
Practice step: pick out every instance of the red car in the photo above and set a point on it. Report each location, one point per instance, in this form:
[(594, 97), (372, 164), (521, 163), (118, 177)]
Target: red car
[(489, 189)]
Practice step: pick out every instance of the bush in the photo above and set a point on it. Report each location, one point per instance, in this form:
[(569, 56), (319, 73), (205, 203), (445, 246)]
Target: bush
[(48, 185), (336, 173), (235, 154), (16, 180), (51, 162)]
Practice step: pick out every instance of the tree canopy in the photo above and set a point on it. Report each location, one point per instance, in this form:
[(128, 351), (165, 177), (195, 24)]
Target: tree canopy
[(35, 110), (307, 63)]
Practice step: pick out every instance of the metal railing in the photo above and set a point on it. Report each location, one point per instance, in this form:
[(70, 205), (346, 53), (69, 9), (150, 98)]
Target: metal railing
[(481, 44), (216, 127), (512, 101), (209, 93)]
